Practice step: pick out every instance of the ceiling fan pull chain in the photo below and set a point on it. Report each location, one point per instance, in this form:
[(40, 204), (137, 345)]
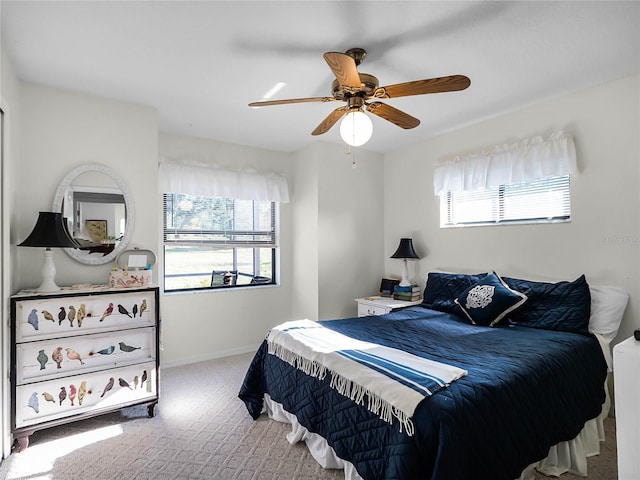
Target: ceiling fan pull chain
[(353, 155)]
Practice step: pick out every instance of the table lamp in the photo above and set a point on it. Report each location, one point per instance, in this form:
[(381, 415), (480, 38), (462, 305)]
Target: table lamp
[(49, 232), (405, 250)]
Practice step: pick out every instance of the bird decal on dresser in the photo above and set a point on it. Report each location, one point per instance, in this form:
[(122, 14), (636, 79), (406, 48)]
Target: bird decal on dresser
[(42, 359), (62, 314), (71, 315), (143, 379), (72, 393), (108, 386), (105, 351), (124, 311), (107, 312), (123, 383), (32, 319), (73, 355), (62, 395), (135, 382), (143, 306), (82, 391), (135, 309), (48, 397), (47, 315), (82, 312), (33, 402), (127, 348), (57, 356)]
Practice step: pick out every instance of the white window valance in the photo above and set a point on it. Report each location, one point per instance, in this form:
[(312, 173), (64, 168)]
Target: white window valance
[(195, 178), (530, 159)]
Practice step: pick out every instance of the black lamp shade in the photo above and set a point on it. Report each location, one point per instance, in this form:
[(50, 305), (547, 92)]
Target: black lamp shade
[(49, 232), (405, 249)]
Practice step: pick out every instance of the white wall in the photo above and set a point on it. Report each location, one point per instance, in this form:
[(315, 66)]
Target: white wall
[(304, 191), (603, 238), (9, 168), (338, 230), (209, 324), (350, 229), (61, 130)]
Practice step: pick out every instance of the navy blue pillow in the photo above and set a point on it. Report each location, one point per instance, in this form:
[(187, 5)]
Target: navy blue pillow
[(489, 301), (443, 288), (562, 306)]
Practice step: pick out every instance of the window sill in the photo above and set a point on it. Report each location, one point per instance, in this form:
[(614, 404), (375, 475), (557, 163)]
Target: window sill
[(218, 290)]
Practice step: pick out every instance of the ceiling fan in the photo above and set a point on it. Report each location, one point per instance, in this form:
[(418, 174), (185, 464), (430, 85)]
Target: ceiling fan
[(357, 89)]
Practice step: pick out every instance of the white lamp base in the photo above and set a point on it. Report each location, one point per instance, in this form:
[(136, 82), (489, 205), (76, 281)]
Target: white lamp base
[(405, 275), (48, 274)]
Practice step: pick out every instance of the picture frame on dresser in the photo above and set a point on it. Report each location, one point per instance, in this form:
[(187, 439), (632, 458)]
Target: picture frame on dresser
[(77, 354)]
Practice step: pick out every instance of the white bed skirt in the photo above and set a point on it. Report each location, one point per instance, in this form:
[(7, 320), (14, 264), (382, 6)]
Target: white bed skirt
[(570, 456), (317, 445)]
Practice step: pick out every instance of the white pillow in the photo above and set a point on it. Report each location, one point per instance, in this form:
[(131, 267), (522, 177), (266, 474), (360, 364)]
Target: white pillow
[(607, 307)]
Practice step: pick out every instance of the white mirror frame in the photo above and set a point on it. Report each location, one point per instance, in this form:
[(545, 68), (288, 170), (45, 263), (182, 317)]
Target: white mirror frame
[(79, 255)]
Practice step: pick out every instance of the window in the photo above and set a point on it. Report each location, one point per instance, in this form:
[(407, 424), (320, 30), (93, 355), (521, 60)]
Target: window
[(522, 182), (218, 242), (543, 200)]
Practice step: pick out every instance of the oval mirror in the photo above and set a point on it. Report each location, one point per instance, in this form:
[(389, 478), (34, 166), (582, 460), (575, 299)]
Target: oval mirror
[(99, 211)]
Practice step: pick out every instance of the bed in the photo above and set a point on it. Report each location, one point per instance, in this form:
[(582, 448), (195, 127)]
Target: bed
[(533, 377)]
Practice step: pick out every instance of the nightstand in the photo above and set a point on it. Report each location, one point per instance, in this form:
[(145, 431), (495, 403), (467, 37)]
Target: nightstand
[(376, 305)]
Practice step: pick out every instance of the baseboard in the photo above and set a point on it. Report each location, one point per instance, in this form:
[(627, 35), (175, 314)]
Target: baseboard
[(205, 358)]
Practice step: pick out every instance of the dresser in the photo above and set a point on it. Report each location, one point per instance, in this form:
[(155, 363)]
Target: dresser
[(368, 306), (81, 353), (626, 364)]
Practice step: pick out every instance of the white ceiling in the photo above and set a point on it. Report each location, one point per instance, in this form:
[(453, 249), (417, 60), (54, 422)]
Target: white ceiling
[(200, 63)]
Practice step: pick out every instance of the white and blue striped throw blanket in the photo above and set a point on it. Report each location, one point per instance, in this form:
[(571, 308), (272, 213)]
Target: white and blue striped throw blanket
[(392, 381)]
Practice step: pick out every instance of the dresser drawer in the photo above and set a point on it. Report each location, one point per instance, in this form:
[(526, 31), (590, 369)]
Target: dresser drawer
[(65, 356), (365, 310), (60, 398), (54, 317)]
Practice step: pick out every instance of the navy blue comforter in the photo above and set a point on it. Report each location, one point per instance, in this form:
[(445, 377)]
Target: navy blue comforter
[(526, 390)]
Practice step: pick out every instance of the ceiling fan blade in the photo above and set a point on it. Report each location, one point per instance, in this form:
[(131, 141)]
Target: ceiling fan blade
[(419, 87), (330, 120), (266, 103), (344, 68), (392, 114)]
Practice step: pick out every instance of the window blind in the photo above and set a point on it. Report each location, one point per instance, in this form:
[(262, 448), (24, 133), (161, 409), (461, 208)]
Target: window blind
[(542, 200), (221, 222)]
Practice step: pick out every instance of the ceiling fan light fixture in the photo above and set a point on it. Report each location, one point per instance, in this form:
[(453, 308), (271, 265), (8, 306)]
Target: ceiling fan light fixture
[(356, 128)]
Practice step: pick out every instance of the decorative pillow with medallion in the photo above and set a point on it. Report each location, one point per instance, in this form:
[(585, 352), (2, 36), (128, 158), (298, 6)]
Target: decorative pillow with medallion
[(443, 287), (489, 300)]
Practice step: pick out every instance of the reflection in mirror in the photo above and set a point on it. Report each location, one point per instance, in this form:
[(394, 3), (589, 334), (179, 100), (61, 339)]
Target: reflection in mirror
[(99, 212)]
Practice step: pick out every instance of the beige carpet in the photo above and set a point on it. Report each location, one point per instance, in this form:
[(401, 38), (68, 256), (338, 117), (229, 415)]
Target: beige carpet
[(201, 431)]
